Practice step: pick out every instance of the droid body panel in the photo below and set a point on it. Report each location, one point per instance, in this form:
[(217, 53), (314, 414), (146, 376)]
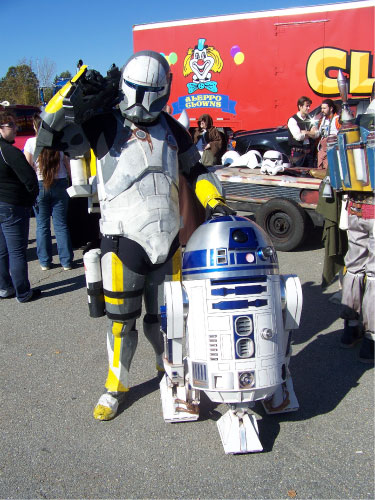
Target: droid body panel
[(236, 312)]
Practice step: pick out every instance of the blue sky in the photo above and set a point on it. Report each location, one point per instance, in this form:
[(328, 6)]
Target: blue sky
[(99, 31)]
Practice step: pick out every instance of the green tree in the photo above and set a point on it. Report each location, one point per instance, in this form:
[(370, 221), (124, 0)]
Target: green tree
[(65, 75), (20, 86)]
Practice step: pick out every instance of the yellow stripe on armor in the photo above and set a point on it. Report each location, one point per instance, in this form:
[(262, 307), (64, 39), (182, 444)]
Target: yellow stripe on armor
[(92, 163), (57, 100), (206, 192), (116, 352), (117, 269), (176, 265), (113, 384), (116, 332)]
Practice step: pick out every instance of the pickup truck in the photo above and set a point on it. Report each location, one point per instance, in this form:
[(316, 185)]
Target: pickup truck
[(276, 138), (284, 204)]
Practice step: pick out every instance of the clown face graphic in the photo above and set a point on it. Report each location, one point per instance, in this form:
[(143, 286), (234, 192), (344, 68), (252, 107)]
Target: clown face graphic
[(201, 64)]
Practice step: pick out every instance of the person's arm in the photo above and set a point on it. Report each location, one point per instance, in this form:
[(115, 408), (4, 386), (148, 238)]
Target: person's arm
[(29, 158), (16, 160), (66, 162), (28, 151), (313, 133), (296, 132), (215, 141)]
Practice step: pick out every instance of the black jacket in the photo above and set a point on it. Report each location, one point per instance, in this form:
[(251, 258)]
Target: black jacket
[(18, 181)]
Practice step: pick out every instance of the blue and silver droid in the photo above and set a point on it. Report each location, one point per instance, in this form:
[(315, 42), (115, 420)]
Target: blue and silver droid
[(227, 329)]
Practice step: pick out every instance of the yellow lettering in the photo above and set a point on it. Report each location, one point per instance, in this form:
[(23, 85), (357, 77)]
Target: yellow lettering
[(316, 71), (360, 83)]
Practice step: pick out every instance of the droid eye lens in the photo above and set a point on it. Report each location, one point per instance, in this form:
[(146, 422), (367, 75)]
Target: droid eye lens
[(239, 236)]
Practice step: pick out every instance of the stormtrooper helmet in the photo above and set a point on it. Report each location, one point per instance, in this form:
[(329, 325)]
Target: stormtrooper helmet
[(229, 158), (252, 159), (145, 84), (273, 162)]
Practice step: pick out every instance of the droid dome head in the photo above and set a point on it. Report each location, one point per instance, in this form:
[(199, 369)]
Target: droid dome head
[(145, 84), (229, 246)]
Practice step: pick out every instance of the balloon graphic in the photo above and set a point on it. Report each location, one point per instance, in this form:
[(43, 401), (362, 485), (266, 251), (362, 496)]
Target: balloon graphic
[(234, 50), (239, 58), (172, 58)]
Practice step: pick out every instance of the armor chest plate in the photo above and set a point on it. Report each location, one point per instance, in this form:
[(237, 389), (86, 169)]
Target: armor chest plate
[(136, 153)]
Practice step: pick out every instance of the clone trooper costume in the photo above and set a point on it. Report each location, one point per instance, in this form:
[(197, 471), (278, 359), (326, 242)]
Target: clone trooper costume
[(140, 151)]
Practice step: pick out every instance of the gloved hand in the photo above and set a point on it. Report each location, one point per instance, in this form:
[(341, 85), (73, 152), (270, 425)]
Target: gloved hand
[(218, 211)]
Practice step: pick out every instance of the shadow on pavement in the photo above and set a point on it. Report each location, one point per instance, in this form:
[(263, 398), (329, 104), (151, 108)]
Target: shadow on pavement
[(137, 392), (62, 286), (318, 313), (323, 374)]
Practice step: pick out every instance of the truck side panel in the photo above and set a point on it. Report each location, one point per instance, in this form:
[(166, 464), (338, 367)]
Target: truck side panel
[(264, 61)]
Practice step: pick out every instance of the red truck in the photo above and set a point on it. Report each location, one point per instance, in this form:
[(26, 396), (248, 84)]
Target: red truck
[(248, 70)]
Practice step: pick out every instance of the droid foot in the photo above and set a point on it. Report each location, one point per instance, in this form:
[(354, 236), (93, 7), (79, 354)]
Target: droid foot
[(107, 407), (176, 403), (283, 400), (239, 433)]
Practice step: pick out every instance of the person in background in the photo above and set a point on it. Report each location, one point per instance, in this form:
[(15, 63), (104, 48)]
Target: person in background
[(52, 169), (301, 135), (328, 125), (209, 141), (18, 192)]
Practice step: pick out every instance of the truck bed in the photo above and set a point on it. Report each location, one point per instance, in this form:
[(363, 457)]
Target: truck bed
[(242, 184)]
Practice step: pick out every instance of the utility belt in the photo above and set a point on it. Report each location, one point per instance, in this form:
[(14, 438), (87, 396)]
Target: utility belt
[(305, 150), (361, 210)]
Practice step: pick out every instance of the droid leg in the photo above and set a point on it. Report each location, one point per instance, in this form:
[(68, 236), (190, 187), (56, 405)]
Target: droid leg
[(239, 431), (180, 403), (284, 399)]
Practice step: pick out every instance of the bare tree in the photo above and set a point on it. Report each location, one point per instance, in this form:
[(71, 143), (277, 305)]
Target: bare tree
[(46, 69)]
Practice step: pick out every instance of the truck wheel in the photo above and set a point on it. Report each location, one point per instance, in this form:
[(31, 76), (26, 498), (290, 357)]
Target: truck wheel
[(284, 221)]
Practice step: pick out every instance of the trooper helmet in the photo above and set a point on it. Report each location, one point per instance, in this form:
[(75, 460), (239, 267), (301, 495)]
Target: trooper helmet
[(145, 84)]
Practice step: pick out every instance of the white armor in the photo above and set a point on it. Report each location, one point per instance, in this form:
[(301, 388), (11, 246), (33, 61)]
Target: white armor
[(138, 188)]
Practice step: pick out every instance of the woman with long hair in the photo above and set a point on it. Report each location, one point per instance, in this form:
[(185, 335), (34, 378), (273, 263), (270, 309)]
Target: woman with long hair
[(52, 168)]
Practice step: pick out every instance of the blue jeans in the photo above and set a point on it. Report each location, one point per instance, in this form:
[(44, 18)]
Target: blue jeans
[(14, 233), (53, 201)]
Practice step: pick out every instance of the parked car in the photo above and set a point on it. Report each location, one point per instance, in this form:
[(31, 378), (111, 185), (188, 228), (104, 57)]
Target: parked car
[(276, 138)]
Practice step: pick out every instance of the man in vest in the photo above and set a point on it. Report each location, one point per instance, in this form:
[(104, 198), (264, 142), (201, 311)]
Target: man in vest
[(328, 125), (302, 132)]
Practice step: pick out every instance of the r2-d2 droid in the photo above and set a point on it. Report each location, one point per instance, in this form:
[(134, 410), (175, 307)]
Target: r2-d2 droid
[(236, 314)]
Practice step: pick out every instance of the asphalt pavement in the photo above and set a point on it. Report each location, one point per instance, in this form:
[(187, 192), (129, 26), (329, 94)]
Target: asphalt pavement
[(53, 367)]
